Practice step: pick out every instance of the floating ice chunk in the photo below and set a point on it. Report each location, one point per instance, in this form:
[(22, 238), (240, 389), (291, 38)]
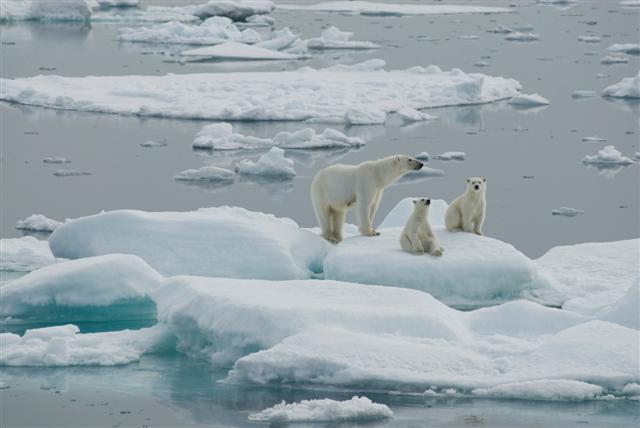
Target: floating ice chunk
[(524, 28), (239, 51), (226, 242), (500, 29), (151, 144), (584, 94), (481, 64), (333, 38), (103, 288), (522, 37), (566, 211), (69, 172), (409, 114), (211, 173), (594, 138), (38, 223), (614, 60), (423, 156), (24, 254), (280, 39), (374, 64), (589, 39), (470, 37), (399, 215), (607, 156), (55, 160), (451, 156), (529, 100), (238, 10), (220, 136), (65, 346), (628, 48), (549, 390), (391, 9), (358, 409), (271, 164), (118, 3), (626, 88), (51, 10), (357, 96), (308, 139), (260, 20)]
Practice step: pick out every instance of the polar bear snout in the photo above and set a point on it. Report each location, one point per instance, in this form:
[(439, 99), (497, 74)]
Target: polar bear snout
[(477, 187), (416, 164)]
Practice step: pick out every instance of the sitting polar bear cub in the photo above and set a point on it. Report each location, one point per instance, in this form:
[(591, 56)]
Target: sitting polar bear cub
[(339, 187), (417, 236), (468, 210)]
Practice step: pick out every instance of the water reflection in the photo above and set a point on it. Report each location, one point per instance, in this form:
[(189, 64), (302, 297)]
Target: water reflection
[(275, 187), (628, 105), (56, 32), (607, 171)]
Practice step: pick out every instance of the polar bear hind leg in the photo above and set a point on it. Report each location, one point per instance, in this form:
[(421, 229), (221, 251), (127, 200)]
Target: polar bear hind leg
[(337, 221), (453, 220)]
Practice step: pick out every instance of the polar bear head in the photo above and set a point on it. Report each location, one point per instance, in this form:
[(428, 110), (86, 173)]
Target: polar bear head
[(406, 163), (421, 206), (476, 184)]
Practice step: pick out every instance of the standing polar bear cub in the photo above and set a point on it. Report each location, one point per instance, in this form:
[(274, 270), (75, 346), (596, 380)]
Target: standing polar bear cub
[(468, 210), (339, 187), (417, 236)]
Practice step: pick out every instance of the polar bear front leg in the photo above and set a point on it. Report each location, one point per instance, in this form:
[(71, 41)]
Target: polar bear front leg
[(467, 224), (374, 209), (337, 221), (479, 221), (364, 204), (411, 244)]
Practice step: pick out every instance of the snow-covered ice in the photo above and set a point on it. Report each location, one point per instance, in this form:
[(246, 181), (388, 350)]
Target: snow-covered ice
[(50, 10), (55, 160), (451, 156), (500, 29), (626, 88), (38, 223), (392, 9), (271, 164), (102, 288), (609, 59), (358, 409), (226, 242), (151, 144), (409, 114), (594, 139), (589, 39), (567, 211), (522, 37), (65, 346), (423, 156), (338, 94), (333, 38), (211, 173), (529, 100), (118, 3), (239, 51), (24, 254), (69, 172), (628, 48), (238, 10), (607, 156)]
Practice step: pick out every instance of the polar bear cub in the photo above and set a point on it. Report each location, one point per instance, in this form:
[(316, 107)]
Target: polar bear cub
[(417, 236), (339, 187), (467, 211)]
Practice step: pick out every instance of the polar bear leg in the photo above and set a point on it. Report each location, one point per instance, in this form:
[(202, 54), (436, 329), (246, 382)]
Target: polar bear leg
[(479, 220), (374, 207), (411, 244), (324, 220), (364, 206), (467, 224), (452, 220), (337, 221), (432, 246)]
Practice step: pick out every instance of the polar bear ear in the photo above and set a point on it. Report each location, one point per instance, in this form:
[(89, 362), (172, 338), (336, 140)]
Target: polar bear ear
[(415, 201), (484, 179), (397, 159), (468, 180)]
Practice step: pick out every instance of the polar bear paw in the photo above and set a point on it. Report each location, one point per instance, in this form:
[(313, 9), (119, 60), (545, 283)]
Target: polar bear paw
[(437, 252)]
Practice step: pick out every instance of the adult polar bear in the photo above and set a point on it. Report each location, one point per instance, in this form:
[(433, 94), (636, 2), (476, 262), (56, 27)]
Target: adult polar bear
[(339, 187)]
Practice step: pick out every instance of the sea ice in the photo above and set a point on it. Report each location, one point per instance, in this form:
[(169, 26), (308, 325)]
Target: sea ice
[(358, 409), (584, 94), (333, 38), (238, 10), (500, 29), (522, 37), (225, 242), (151, 144), (628, 48), (338, 94), (595, 139), (50, 10), (409, 114), (24, 254), (391, 9), (423, 156), (589, 39), (37, 223), (451, 156), (607, 156), (211, 173), (102, 288), (280, 39), (614, 60), (529, 100), (626, 88), (566, 211), (118, 3), (271, 164), (55, 160), (239, 51), (69, 172)]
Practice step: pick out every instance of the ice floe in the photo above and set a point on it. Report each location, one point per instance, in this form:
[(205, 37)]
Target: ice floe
[(238, 10), (607, 156), (566, 211), (151, 144), (451, 156), (358, 409), (589, 39), (211, 173), (392, 9), (50, 159), (628, 48), (65, 346), (280, 39), (69, 172), (522, 37), (594, 138), (102, 288), (626, 88), (409, 114), (333, 38), (50, 10), (239, 51), (118, 3), (338, 95), (210, 242), (271, 164), (24, 254), (423, 156), (609, 59), (37, 223), (500, 29), (529, 100)]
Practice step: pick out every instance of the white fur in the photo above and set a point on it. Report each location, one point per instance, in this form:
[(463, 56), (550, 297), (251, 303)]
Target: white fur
[(417, 236), (467, 211), (339, 187)]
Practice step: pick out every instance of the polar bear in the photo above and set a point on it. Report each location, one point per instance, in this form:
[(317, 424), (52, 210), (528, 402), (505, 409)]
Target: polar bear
[(339, 187), (467, 211), (417, 236)]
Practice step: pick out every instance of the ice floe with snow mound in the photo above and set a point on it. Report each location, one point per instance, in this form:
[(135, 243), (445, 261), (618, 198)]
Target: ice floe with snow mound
[(211, 173), (333, 38), (409, 114), (102, 288), (529, 100), (37, 223), (352, 94), (24, 254), (628, 48), (607, 156), (609, 59), (220, 136), (239, 51), (65, 346), (226, 242), (271, 164), (522, 37), (358, 409), (626, 88), (567, 211), (392, 9)]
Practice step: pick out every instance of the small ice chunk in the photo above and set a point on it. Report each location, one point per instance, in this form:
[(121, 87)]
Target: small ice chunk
[(469, 37), (628, 48), (358, 409), (589, 39), (609, 59), (24, 254), (567, 212), (584, 94), (279, 40), (271, 164), (55, 160), (409, 114), (626, 88), (240, 51), (118, 3), (481, 64), (38, 223), (423, 156), (522, 37), (69, 172), (449, 156), (260, 20), (149, 144), (607, 156), (211, 173), (333, 38), (529, 100), (594, 139), (500, 29), (238, 10)]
